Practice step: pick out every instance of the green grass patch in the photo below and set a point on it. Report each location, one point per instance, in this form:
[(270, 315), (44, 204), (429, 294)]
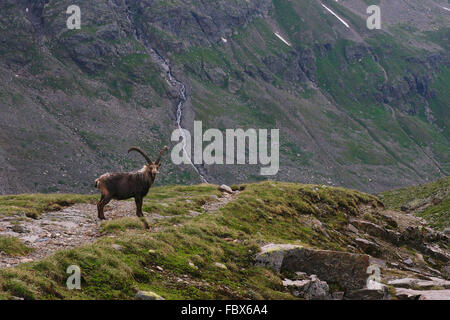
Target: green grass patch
[(13, 247), (433, 200), (34, 204)]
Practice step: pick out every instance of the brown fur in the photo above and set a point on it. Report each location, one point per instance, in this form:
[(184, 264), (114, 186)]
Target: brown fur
[(126, 185)]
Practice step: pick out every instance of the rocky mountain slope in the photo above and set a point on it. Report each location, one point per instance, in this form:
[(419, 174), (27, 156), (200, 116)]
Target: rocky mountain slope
[(270, 240), (360, 108)]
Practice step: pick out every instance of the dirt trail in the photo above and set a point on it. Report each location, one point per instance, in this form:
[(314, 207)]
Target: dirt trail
[(71, 227), (221, 202)]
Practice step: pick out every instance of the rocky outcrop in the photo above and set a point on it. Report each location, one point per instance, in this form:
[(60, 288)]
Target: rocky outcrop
[(420, 284), (409, 294), (368, 294), (368, 247), (309, 289), (272, 255), (201, 24), (349, 270), (297, 66)]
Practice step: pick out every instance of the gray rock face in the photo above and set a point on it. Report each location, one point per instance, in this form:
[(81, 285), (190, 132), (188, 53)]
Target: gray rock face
[(346, 269), (368, 247), (272, 255), (409, 294), (203, 23), (418, 283), (368, 294), (408, 262), (311, 289)]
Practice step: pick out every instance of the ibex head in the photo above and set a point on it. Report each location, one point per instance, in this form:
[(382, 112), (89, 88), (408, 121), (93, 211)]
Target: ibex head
[(151, 167)]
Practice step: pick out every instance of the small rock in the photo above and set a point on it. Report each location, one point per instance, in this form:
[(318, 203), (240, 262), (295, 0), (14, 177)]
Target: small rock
[(25, 260), (19, 229), (148, 295), (193, 213), (159, 268), (300, 284), (313, 289), (225, 188), (220, 265), (192, 265), (393, 264), (301, 275), (408, 262), (116, 246)]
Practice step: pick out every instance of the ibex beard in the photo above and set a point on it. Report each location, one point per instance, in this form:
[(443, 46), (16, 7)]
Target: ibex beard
[(126, 185)]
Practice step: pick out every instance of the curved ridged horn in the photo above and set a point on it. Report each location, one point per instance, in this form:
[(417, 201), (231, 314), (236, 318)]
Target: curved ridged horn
[(161, 153), (141, 152)]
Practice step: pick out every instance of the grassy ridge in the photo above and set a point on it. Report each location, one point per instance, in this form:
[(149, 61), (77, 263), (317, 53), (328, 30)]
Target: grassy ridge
[(430, 201), (184, 258)]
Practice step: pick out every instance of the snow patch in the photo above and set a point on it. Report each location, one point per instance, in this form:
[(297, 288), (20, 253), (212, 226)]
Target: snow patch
[(282, 39), (334, 14)]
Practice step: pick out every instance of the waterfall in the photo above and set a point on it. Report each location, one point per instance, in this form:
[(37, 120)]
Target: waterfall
[(181, 88)]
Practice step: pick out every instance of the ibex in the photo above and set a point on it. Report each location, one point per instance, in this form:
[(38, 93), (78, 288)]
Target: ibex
[(126, 185)]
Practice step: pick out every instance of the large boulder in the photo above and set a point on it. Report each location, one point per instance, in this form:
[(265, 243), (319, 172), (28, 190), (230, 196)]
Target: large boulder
[(349, 270)]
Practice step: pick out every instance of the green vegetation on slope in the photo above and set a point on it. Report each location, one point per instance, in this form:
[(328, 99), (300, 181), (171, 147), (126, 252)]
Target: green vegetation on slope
[(430, 201), (13, 247), (181, 258), (34, 204)]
